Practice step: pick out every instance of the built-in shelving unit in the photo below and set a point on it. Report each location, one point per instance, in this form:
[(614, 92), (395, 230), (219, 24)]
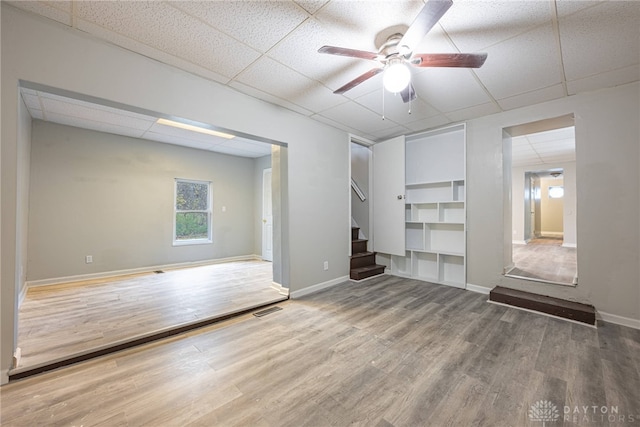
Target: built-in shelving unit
[(435, 208)]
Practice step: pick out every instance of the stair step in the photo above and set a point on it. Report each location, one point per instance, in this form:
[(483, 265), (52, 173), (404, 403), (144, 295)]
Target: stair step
[(584, 313), (358, 246), (364, 272), (355, 233), (363, 259)]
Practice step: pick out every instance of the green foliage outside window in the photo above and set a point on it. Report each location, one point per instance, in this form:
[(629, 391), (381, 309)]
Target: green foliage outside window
[(192, 210)]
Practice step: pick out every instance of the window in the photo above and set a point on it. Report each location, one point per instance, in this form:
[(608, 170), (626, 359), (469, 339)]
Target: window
[(192, 212), (556, 192)]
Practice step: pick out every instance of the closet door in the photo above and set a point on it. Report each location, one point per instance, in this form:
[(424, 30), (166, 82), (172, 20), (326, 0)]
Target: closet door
[(388, 196)]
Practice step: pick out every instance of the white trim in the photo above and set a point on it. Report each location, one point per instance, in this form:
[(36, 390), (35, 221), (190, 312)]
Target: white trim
[(620, 320), (569, 245), (506, 269), (551, 234), (23, 294), (105, 274), (281, 289), (542, 314), (368, 278), (479, 289), (518, 242), (318, 287)]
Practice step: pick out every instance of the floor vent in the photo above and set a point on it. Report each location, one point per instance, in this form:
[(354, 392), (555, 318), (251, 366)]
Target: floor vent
[(267, 311)]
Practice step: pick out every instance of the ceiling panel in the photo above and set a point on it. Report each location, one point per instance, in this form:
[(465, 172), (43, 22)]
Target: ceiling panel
[(259, 24), (537, 51), (391, 106), (612, 30)]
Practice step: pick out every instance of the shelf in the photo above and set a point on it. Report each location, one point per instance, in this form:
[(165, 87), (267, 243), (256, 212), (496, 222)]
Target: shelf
[(452, 212), (451, 270), (401, 265), (429, 192), (425, 266), (448, 238), (414, 236), (426, 212), (458, 190)]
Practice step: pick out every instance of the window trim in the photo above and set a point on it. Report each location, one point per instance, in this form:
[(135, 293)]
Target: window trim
[(208, 211)]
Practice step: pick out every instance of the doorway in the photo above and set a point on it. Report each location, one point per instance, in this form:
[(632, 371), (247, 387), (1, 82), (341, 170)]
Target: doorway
[(267, 216), (542, 170)]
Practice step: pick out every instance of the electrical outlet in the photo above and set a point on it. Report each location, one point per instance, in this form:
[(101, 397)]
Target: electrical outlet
[(326, 265), (88, 259)]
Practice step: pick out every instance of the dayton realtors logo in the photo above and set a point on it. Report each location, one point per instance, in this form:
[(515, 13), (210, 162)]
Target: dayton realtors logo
[(544, 411)]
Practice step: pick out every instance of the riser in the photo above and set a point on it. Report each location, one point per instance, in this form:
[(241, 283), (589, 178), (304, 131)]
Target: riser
[(355, 233), (359, 274), (358, 246), (362, 261)]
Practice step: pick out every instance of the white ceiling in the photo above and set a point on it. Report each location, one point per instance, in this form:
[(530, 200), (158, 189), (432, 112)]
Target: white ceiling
[(82, 114), (544, 148), (537, 51)]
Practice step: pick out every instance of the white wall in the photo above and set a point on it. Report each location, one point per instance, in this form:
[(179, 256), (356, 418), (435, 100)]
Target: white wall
[(111, 197), (22, 207), (569, 200), (44, 52), (360, 159), (607, 153)]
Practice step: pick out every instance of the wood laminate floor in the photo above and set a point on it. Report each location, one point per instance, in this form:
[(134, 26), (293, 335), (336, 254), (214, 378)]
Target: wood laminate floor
[(387, 352), (57, 322), (545, 259)]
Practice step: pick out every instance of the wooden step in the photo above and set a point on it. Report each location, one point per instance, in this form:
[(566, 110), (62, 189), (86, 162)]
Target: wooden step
[(363, 259), (584, 313), (368, 271), (358, 246), (355, 233)]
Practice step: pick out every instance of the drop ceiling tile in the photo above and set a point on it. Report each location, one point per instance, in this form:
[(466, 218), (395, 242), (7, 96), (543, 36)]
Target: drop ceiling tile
[(533, 97), (299, 50), (449, 89), (259, 24), (476, 25), (358, 22), (522, 64), (311, 6), (429, 123), (228, 147), (93, 113), (178, 133), (31, 101), (603, 80), (57, 10), (256, 93), (81, 122), (163, 27), (358, 117), (393, 107), (473, 112), (36, 114), (276, 79), (552, 135), (391, 133), (176, 140), (342, 126), (601, 38), (569, 7), (150, 52)]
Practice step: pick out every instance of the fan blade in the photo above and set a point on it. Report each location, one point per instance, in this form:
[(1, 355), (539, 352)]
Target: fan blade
[(424, 22), (408, 93), (355, 82), (470, 60), (353, 53)]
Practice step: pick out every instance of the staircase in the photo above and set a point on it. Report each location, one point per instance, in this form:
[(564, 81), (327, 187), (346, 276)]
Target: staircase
[(363, 263)]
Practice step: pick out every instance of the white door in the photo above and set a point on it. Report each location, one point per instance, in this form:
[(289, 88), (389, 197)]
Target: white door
[(267, 217), (388, 197)]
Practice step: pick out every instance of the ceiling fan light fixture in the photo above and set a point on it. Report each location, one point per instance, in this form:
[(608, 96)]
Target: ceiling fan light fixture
[(396, 77)]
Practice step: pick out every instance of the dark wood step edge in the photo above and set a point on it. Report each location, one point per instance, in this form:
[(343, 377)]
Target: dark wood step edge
[(571, 310)]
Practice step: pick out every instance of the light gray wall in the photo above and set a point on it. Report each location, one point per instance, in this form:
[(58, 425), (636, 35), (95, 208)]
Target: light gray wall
[(360, 158), (47, 53), (607, 136), (112, 197), (569, 214), (259, 165)]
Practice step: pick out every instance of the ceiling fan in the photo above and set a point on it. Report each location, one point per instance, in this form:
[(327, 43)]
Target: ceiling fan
[(396, 54)]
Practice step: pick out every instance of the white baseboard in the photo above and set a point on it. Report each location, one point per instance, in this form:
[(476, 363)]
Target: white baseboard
[(281, 289), (620, 320), (552, 234), (569, 245), (518, 242), (4, 376), (318, 287), (105, 274), (479, 289)]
